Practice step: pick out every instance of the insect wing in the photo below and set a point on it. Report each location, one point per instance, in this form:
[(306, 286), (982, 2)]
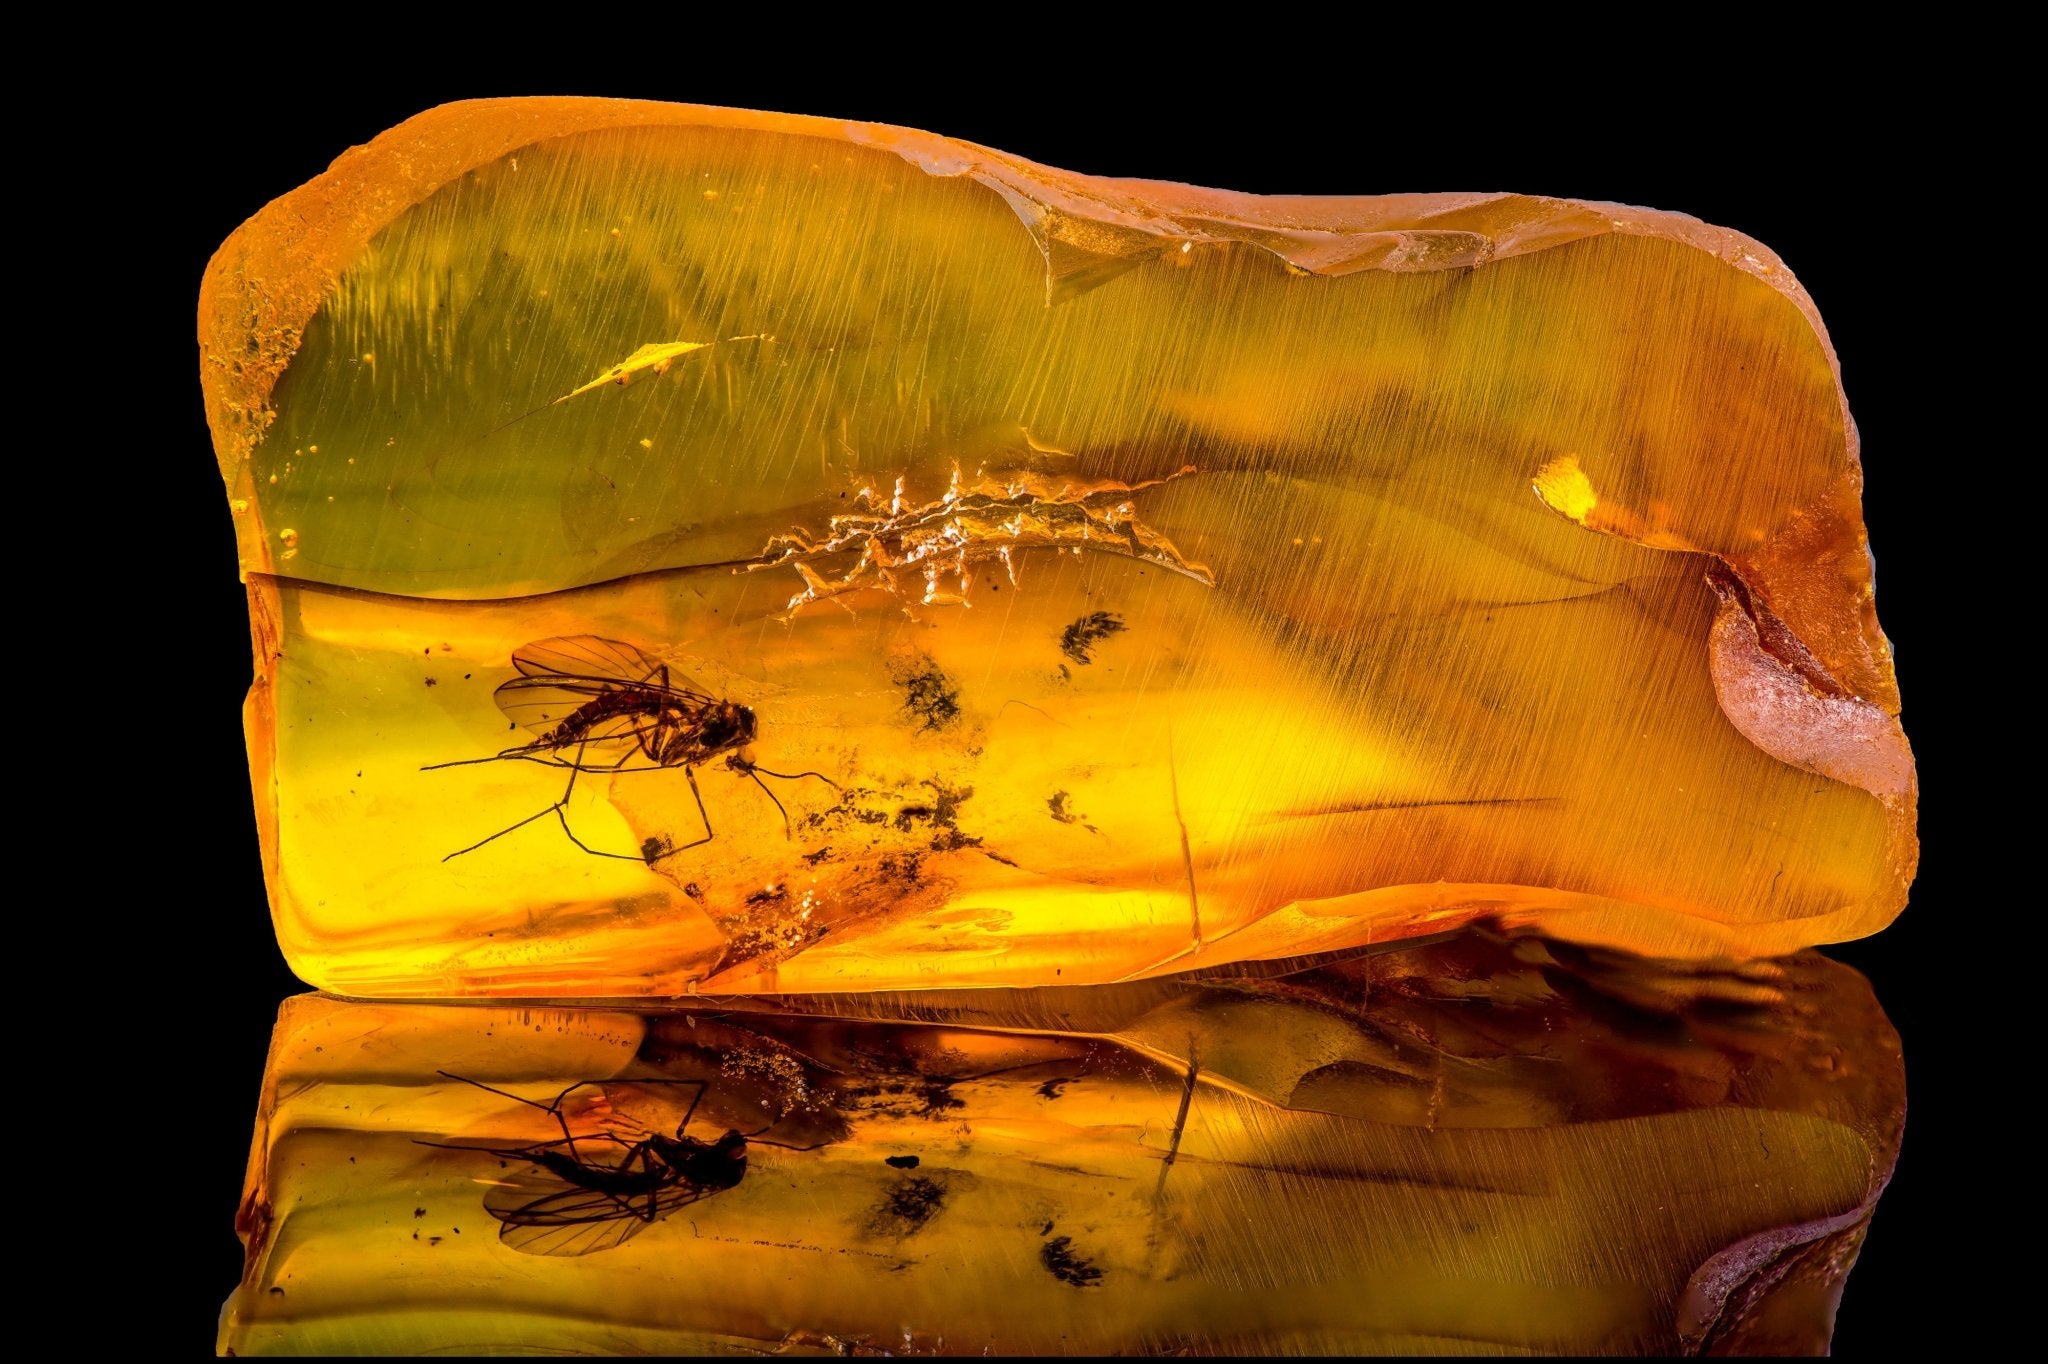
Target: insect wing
[(539, 705), (587, 656), (560, 676), (541, 1214)]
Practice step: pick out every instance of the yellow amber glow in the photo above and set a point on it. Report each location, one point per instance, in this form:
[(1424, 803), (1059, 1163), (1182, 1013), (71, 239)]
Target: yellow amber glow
[(1563, 485), (1152, 575)]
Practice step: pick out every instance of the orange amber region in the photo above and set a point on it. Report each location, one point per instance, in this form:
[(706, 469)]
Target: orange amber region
[(1458, 1147), (936, 569)]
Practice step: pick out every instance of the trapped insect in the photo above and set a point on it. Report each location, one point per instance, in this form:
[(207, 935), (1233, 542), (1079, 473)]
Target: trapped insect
[(606, 706), (592, 1192)]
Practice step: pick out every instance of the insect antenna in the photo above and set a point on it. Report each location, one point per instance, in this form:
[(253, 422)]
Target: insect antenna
[(794, 776), (466, 762), (740, 764), (755, 1138)]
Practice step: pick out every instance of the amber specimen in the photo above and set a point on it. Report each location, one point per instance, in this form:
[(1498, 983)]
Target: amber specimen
[(1470, 1145), (1152, 577)]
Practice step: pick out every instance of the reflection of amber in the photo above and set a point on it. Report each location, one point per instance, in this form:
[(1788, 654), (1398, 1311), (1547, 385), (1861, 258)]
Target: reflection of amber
[(1156, 577), (1473, 1145)]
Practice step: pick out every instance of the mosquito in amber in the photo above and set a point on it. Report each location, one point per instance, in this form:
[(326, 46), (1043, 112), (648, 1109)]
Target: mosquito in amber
[(606, 706), (596, 1191)]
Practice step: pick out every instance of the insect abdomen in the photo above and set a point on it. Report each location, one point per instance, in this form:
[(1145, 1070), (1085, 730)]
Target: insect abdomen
[(587, 716)]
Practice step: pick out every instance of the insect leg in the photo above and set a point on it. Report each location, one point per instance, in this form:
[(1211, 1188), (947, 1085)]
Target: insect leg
[(555, 809), (505, 1094), (542, 814), (691, 773), (552, 1109), (691, 1111), (757, 1138), (561, 809), (644, 1153)]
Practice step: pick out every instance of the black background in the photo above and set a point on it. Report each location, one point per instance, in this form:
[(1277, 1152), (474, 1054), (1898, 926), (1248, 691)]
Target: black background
[(1824, 174)]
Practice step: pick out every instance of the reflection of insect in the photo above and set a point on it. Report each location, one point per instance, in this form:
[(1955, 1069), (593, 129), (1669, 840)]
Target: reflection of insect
[(594, 1192), (602, 705)]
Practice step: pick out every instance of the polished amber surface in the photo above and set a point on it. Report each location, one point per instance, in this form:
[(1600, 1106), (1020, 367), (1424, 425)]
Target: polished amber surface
[(1472, 1146), (983, 575)]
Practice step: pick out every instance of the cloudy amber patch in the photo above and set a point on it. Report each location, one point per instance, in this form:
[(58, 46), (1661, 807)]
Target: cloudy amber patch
[(1114, 577), (1471, 1147)]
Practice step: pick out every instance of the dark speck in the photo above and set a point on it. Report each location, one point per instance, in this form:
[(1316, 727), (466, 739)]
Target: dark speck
[(1059, 1259), (928, 694), (914, 1201), (903, 1162), (419, 1213), (1079, 639)]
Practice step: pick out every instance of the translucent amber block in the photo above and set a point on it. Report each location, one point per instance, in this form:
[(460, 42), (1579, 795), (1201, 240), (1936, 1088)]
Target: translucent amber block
[(939, 570), (1474, 1146)]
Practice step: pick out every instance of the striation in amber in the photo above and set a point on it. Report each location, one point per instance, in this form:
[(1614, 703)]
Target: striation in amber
[(1151, 577), (1472, 1145)]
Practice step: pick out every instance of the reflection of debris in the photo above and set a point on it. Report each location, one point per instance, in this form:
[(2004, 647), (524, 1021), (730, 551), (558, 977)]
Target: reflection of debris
[(937, 1096), (774, 925), (928, 693), (781, 1070), (929, 550), (1084, 634), (912, 1202), (1059, 1259)]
